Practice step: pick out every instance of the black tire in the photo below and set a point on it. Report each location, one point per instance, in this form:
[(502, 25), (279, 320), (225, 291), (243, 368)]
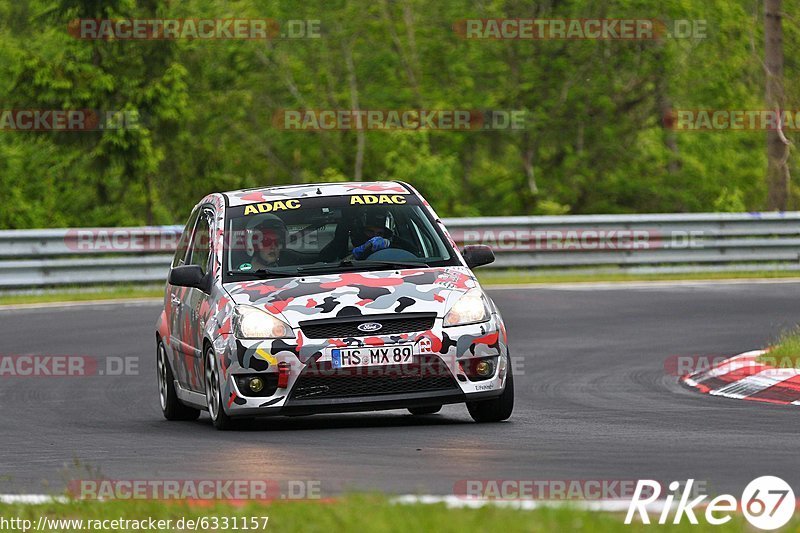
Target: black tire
[(171, 406), (219, 417), (496, 409), (431, 409)]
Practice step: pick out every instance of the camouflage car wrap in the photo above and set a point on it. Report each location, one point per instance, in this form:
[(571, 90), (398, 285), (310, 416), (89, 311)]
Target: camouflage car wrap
[(203, 321), (360, 295)]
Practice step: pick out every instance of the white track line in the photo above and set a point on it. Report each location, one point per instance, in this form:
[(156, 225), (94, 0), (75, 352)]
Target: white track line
[(456, 502), (31, 499), (452, 502)]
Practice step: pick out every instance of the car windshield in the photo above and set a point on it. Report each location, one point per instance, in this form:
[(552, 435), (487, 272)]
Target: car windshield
[(300, 236)]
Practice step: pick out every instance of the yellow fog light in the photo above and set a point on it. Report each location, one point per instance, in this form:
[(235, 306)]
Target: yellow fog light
[(484, 368), (256, 384)]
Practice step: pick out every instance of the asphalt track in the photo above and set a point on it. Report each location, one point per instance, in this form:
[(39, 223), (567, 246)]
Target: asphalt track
[(593, 403)]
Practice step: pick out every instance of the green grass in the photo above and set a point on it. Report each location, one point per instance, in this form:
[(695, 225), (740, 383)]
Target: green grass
[(360, 513), (785, 353), (81, 295)]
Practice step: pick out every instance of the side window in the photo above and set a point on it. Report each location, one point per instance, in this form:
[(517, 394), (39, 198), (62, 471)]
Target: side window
[(201, 242), (183, 242), (423, 239)]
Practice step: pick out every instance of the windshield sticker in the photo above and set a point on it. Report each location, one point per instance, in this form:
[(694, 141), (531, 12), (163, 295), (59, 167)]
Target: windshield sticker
[(268, 207), (372, 199)]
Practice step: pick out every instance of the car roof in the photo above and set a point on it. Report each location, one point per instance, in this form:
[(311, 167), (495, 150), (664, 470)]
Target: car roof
[(282, 192)]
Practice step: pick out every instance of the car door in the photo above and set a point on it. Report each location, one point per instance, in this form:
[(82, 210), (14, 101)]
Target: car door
[(195, 302), (173, 304)]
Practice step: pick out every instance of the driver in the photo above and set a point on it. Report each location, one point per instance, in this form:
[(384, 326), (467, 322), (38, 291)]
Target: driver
[(265, 239), (362, 232), (373, 230)]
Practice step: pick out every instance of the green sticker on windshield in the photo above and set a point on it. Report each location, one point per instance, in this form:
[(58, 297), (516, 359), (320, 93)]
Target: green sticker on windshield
[(244, 267)]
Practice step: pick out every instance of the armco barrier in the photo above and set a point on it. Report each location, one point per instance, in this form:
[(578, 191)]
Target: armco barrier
[(629, 243)]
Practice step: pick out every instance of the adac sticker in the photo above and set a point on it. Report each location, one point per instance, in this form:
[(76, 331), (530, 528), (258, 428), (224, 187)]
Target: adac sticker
[(372, 199), (269, 207)]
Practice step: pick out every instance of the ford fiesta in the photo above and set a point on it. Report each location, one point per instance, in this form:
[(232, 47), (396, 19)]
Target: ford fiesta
[(326, 298)]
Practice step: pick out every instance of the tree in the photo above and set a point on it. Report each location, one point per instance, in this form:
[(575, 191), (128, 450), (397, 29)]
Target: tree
[(778, 176)]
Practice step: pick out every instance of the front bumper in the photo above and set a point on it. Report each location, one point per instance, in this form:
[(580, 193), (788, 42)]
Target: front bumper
[(448, 348), (365, 403)]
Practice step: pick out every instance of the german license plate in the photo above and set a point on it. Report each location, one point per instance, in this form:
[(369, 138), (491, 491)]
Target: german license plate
[(395, 354)]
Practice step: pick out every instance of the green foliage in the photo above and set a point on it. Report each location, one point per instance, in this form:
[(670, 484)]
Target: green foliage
[(594, 141), (730, 201), (785, 352)]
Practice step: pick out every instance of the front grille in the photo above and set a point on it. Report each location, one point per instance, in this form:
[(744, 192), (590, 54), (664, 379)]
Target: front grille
[(344, 328), (325, 383)]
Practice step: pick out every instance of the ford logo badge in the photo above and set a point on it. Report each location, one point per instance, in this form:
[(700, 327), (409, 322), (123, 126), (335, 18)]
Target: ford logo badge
[(368, 327)]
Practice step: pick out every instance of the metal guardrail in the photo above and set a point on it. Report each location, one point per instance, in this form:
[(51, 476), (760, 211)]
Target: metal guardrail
[(622, 243)]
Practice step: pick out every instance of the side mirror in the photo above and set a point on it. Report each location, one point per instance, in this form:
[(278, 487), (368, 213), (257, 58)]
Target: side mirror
[(477, 255), (188, 276)]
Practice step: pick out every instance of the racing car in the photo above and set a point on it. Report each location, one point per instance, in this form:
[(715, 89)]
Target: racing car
[(327, 298)]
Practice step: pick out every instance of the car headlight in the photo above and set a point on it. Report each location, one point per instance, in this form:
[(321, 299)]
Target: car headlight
[(471, 308), (252, 323)]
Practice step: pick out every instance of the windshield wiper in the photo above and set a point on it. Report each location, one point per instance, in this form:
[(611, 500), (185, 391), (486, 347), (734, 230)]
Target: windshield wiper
[(381, 262), (261, 272), (347, 265)]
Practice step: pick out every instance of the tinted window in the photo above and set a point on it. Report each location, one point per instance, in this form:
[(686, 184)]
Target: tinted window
[(201, 242), (183, 242)]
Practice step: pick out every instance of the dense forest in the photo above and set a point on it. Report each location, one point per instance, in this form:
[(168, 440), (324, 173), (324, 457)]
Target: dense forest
[(594, 139)]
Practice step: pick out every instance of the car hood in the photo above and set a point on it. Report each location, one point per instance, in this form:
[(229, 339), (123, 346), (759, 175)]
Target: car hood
[(425, 290)]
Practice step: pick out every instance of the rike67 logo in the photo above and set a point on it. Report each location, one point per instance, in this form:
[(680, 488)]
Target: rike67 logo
[(767, 502)]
